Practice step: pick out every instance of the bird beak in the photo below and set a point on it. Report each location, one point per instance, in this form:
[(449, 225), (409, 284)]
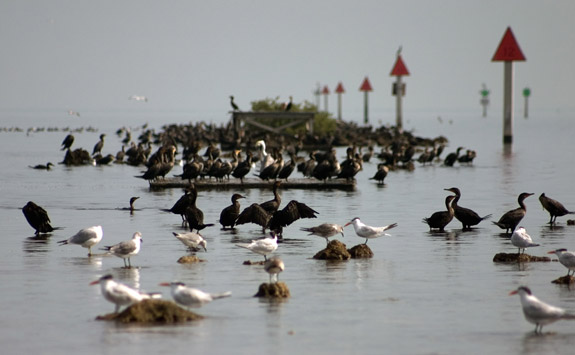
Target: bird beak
[(164, 284), (347, 224), (94, 282), (514, 292), (551, 252)]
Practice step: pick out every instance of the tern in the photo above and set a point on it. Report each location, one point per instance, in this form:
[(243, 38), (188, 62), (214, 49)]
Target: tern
[(368, 232), (120, 294), (522, 240), (262, 246), (127, 249), (325, 230), (192, 297), (192, 240), (86, 238), (539, 312), (274, 266), (566, 258)]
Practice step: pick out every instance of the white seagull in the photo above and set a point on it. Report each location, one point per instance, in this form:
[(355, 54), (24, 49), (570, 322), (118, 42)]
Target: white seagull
[(120, 294), (522, 240), (368, 232), (86, 238), (192, 240), (262, 246), (539, 312), (192, 297), (127, 249), (274, 266), (566, 258), (325, 230)]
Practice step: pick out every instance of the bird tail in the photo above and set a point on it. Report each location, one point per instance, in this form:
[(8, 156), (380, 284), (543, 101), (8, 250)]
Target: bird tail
[(306, 229), (243, 246), (393, 225), (107, 248), (221, 295), (486, 217), (568, 316), (499, 225), (63, 242)]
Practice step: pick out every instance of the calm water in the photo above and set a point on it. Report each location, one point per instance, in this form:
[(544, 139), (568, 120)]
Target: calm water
[(421, 293)]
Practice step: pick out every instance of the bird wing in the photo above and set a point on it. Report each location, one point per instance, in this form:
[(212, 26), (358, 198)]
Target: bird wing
[(82, 236), (254, 214), (290, 213), (126, 247)]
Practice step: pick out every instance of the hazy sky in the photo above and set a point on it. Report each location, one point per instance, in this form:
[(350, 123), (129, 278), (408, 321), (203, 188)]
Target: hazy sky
[(191, 55)]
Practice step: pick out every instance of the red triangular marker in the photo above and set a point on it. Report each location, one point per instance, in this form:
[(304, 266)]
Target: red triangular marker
[(339, 89), (399, 68), (365, 86), (508, 49)]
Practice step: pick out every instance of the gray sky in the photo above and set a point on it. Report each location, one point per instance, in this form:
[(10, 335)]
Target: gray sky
[(191, 55)]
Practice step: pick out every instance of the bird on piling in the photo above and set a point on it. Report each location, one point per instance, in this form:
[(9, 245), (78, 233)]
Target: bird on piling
[(522, 240), (554, 207), (566, 258), (325, 230), (538, 312), (451, 158), (273, 266), (192, 240), (229, 214), (438, 220), (263, 246), (233, 104), (511, 219), (466, 216), (86, 238), (37, 217), (192, 297), (126, 249), (120, 294), (368, 232), (288, 105)]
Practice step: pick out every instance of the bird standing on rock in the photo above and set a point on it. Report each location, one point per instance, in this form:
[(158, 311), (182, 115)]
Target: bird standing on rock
[(325, 230), (566, 258), (364, 231), (273, 266), (192, 297), (120, 294), (522, 240)]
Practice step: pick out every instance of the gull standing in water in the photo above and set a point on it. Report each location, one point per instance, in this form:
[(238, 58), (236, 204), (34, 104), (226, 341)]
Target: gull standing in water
[(274, 266), (192, 297), (522, 240), (120, 294), (262, 246), (127, 249), (325, 230), (566, 258), (368, 232), (539, 312), (192, 240), (86, 238)]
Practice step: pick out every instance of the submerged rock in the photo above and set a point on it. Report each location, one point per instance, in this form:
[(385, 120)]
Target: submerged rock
[(361, 251), (518, 258), (564, 280), (249, 262), (273, 290), (571, 222), (152, 311), (190, 259), (335, 250)]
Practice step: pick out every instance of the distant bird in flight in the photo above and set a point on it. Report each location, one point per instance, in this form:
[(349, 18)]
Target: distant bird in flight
[(73, 113), (138, 98)]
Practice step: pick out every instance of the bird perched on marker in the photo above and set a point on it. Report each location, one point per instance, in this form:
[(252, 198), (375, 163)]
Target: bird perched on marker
[(120, 294)]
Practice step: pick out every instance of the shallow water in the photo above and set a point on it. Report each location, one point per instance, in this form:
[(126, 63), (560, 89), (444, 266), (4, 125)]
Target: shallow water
[(421, 293)]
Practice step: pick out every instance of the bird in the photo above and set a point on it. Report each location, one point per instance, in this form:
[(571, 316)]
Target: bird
[(229, 214), (289, 104), (192, 297), (265, 158), (183, 203), (132, 200), (120, 294), (67, 142), (466, 216), (194, 215), (438, 220), (86, 238), (451, 158), (522, 240), (48, 166), (126, 249), (325, 230), (554, 207), (293, 211), (273, 266), (192, 240), (566, 258), (511, 219), (233, 104), (73, 113), (380, 174), (368, 232), (263, 246), (99, 145), (37, 217), (272, 205), (138, 98), (538, 312)]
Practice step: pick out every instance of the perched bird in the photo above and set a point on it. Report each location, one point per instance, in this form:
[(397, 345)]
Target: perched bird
[(451, 158), (192, 297), (120, 294), (325, 230), (229, 214), (522, 240), (183, 203), (364, 231), (273, 266), (380, 174), (127, 249), (192, 240), (511, 219), (293, 211), (466, 216), (538, 312), (99, 145), (233, 104), (67, 142), (37, 217), (289, 104), (194, 215), (48, 166), (566, 258), (263, 246), (86, 238), (554, 207), (438, 220), (265, 158)]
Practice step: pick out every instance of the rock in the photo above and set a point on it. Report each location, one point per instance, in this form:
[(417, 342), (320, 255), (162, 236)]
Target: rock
[(564, 280), (249, 262), (335, 250), (518, 258), (273, 290), (361, 251), (190, 259), (152, 311), (571, 222)]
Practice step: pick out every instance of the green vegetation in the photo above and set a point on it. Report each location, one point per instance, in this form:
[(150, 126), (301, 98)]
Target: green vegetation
[(323, 122)]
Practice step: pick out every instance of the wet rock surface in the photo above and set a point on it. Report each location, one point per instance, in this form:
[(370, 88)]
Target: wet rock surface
[(564, 280), (273, 290), (335, 250), (152, 311), (361, 251), (190, 259), (518, 258)]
